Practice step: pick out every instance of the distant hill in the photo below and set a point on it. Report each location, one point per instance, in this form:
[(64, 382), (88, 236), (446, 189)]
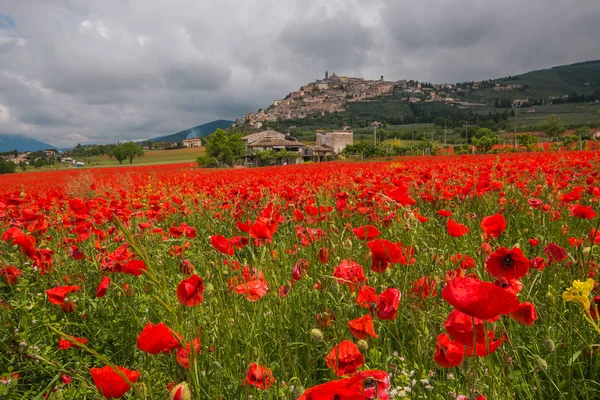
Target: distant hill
[(570, 91), (9, 142), (583, 77), (195, 132)]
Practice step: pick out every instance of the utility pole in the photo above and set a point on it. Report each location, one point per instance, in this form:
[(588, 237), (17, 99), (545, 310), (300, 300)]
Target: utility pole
[(445, 129), (516, 112)]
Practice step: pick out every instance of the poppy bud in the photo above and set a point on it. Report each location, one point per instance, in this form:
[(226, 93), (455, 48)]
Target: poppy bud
[(348, 244), (296, 391), (208, 290), (491, 326), (549, 345), (316, 334), (586, 250), (517, 245), (542, 363), (180, 392), (363, 346), (550, 297)]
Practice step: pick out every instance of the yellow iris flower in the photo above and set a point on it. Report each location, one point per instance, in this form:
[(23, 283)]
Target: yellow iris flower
[(579, 293)]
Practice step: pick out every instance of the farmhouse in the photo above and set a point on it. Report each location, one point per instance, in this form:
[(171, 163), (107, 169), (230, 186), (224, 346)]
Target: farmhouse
[(273, 141), (196, 142)]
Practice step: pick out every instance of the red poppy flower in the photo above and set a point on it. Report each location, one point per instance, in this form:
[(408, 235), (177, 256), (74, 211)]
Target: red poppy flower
[(460, 326), (367, 297), (184, 353), (525, 314), (362, 327), (538, 263), (464, 261), (444, 213), (67, 306), (135, 267), (579, 211), (263, 231), (455, 229), (493, 225), (345, 358), (349, 273), (367, 232), (157, 338), (535, 203), (595, 236), (253, 290), (64, 344), (299, 268), (514, 286), (401, 195), (479, 299), (110, 384), (323, 255), (259, 376), (222, 245), (11, 274), (58, 294), (364, 385), (484, 349), (385, 253), (102, 287), (424, 287), (555, 253), (449, 353), (387, 304), (533, 242), (189, 291), (508, 264)]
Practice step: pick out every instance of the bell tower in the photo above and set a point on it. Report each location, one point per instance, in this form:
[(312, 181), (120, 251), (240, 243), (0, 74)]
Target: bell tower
[(326, 75)]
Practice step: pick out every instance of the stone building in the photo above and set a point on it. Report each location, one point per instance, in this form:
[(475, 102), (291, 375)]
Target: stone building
[(196, 142), (336, 140)]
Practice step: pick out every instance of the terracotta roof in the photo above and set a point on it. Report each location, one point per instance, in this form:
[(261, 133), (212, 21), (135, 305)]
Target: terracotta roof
[(320, 148), (263, 133), (272, 142)]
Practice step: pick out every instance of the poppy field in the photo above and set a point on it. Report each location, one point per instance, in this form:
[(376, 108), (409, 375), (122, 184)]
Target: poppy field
[(452, 277)]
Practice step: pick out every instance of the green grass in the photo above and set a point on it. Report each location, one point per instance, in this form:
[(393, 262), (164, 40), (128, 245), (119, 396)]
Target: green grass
[(149, 157)]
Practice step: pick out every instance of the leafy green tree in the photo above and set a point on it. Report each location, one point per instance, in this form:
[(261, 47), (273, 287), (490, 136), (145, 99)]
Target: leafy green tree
[(224, 147), (7, 167), (207, 161), (484, 139), (552, 127), (527, 141), (570, 141), (124, 151)]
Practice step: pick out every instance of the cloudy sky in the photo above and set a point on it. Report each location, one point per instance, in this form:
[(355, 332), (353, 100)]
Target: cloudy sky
[(94, 71)]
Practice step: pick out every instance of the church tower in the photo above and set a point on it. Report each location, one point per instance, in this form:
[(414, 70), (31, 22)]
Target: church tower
[(326, 75)]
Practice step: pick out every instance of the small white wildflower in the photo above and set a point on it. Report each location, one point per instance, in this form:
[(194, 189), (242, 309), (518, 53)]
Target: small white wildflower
[(428, 387)]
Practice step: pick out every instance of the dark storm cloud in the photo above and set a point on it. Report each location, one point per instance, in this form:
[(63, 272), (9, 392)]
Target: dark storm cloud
[(339, 40), (89, 71)]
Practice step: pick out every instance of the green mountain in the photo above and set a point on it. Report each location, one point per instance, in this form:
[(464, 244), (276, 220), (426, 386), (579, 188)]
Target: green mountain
[(582, 77), (195, 132)]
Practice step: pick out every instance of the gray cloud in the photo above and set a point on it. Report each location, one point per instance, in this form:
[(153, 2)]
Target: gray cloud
[(93, 71)]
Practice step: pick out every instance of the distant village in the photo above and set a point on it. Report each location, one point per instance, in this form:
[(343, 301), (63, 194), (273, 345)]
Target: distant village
[(334, 93)]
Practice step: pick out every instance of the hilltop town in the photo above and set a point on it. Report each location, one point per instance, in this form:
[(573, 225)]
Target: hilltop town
[(334, 93)]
